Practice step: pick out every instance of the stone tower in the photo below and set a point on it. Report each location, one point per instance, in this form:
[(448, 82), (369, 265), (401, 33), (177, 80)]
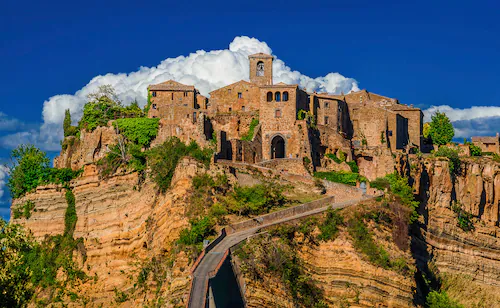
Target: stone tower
[(261, 69)]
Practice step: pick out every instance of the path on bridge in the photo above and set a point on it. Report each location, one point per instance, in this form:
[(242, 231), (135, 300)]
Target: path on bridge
[(212, 259)]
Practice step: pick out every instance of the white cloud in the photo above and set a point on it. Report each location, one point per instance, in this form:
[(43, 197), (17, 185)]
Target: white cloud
[(9, 124), (206, 70), (468, 122), (4, 171)]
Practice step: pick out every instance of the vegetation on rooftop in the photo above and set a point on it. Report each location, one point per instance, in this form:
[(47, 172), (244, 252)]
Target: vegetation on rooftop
[(344, 177)]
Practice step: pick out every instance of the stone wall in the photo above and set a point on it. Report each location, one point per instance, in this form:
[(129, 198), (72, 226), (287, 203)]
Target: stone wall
[(241, 96)]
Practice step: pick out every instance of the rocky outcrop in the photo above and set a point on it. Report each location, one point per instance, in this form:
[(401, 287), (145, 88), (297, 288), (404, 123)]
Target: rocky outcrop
[(124, 224), (375, 162), (476, 189), (88, 148)]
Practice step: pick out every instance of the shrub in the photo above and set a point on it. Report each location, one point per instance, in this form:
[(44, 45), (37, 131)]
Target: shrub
[(400, 188), (464, 219), (28, 164), (199, 230), (363, 241), (27, 208), (257, 199), (343, 177), (475, 150), (380, 183), (354, 167), (333, 157), (162, 169), (452, 155), (330, 226), (70, 217), (104, 106), (138, 130), (67, 128), (437, 299), (253, 124)]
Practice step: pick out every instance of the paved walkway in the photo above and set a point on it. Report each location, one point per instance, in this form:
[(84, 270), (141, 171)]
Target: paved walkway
[(213, 258)]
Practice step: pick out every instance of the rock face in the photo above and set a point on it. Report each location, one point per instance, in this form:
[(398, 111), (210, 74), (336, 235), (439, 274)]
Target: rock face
[(122, 222), (475, 254), (87, 149)]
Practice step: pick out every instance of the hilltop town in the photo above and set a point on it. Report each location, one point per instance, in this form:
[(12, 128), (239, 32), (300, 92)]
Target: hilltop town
[(257, 120)]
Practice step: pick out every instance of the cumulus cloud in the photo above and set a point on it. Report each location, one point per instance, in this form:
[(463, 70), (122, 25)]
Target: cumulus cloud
[(9, 124), (206, 70), (468, 122), (4, 171)]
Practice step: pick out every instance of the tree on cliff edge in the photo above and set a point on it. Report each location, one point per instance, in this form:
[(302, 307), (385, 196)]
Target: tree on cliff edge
[(441, 130)]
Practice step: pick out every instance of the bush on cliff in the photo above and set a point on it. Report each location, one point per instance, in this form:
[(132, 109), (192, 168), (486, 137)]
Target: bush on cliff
[(452, 155), (30, 168), (344, 177), (103, 106), (163, 159), (257, 199), (140, 131), (200, 229), (441, 300), (248, 136)]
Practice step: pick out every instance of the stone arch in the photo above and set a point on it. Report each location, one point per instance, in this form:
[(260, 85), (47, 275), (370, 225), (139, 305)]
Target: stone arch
[(260, 68), (269, 96), (278, 146), (277, 96)]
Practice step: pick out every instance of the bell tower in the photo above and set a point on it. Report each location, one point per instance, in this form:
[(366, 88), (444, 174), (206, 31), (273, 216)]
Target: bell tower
[(261, 69)]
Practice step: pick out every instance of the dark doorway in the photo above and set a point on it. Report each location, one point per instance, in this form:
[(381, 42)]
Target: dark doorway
[(278, 147)]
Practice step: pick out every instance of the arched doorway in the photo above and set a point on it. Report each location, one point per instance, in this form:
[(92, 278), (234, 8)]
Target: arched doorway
[(278, 147)]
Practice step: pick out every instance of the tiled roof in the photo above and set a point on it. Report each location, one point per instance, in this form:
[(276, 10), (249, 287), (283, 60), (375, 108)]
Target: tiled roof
[(170, 86), (261, 55)]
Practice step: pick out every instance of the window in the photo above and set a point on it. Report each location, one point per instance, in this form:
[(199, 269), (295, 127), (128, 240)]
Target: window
[(194, 116), (240, 95), (230, 109), (153, 93), (326, 120), (172, 95), (185, 94), (180, 99), (154, 106), (277, 96), (285, 96), (242, 108), (327, 105), (269, 96), (277, 113), (260, 68), (228, 91), (187, 116)]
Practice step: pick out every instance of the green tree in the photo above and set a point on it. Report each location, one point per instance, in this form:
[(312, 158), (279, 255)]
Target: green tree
[(28, 165), (441, 130), (16, 288), (426, 129), (67, 122), (441, 300)]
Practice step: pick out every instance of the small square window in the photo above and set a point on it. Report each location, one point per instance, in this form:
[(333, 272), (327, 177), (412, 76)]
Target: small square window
[(154, 106), (153, 93), (277, 113), (326, 120), (229, 91), (180, 98), (327, 105), (185, 94), (230, 109), (240, 95), (242, 108)]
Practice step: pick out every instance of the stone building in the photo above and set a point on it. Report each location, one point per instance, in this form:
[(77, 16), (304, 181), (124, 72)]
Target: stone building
[(488, 144), (256, 120)]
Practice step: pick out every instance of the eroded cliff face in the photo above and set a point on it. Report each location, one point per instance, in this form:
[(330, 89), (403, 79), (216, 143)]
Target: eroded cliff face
[(344, 275), (472, 256), (124, 225)]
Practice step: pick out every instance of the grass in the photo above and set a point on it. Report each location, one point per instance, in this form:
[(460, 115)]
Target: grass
[(344, 177)]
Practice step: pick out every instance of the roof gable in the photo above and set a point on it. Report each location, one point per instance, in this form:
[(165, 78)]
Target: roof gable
[(171, 85)]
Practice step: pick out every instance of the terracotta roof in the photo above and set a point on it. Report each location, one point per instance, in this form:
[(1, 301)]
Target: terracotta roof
[(261, 55), (233, 84), (170, 85)]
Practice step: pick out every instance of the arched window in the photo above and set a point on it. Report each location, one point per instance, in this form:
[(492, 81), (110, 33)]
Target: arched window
[(277, 96), (269, 96), (285, 96), (260, 68)]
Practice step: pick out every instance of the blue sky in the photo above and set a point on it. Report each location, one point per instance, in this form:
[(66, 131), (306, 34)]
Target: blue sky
[(426, 53)]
